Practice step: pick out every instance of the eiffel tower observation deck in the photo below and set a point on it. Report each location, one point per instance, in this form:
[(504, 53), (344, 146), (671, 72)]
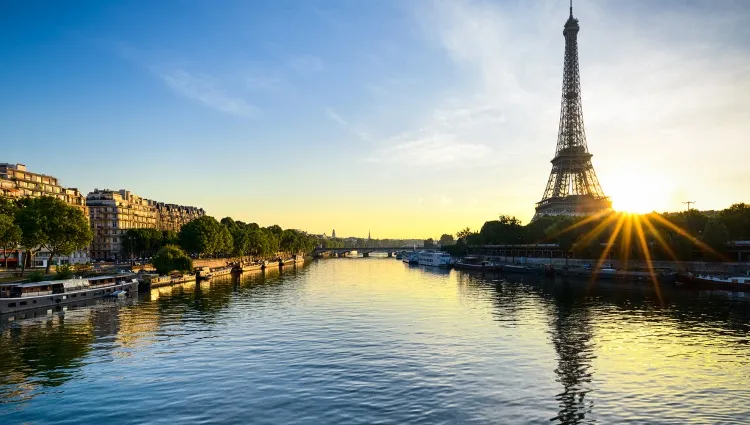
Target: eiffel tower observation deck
[(573, 188)]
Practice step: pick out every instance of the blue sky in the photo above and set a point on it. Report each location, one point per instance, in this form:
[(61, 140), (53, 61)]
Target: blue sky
[(409, 119)]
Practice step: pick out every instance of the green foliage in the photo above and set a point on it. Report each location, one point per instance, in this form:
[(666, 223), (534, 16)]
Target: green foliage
[(446, 239), (144, 242), (669, 236), (51, 223), (64, 271), (205, 235), (715, 235), (10, 235), (170, 258), (31, 222), (505, 230), (8, 207), (35, 276), (456, 249), (240, 241), (223, 243), (275, 229), (737, 221), (169, 237), (429, 243), (463, 233)]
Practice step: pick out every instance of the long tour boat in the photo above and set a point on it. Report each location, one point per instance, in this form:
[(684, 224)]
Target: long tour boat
[(435, 259), (26, 296)]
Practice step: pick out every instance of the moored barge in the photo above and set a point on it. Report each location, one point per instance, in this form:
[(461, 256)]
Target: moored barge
[(26, 296), (724, 283)]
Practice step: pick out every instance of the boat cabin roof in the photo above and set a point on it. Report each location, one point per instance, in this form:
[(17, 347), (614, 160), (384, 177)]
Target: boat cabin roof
[(42, 283), (109, 276)]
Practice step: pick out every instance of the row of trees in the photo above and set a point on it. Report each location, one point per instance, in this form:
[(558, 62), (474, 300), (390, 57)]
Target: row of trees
[(206, 236), (33, 224), (684, 235)]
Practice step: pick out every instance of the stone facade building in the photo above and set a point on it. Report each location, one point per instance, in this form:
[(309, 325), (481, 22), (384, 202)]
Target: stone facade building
[(112, 213), (17, 182), (173, 217)]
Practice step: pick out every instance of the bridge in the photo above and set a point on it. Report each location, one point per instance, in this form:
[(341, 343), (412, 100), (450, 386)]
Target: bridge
[(322, 252)]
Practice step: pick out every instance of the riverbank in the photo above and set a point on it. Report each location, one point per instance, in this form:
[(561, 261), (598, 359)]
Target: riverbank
[(677, 266)]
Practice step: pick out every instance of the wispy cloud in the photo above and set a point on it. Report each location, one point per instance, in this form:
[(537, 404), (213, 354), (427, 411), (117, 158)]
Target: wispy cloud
[(207, 91), (260, 82), (466, 126), (505, 99), (354, 129), (305, 63)]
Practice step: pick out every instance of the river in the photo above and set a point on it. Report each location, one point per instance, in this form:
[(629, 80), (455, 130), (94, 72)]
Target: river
[(375, 341)]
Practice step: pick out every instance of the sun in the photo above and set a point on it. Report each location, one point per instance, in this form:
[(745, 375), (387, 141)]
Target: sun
[(636, 193)]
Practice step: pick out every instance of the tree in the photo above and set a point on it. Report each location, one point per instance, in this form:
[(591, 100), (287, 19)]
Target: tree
[(240, 241), (559, 233), (169, 237), (475, 239), (30, 219), (506, 230), (223, 243), (8, 207), (10, 236), (229, 223), (429, 243), (65, 227), (463, 233), (270, 242), (170, 258), (716, 235), (446, 239), (143, 242), (275, 229), (255, 242), (737, 221), (199, 236)]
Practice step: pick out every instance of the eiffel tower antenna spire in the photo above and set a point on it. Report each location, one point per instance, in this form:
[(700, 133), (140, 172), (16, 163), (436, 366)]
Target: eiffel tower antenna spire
[(572, 188)]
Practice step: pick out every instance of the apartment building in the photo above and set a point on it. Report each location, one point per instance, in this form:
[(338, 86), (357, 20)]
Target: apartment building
[(173, 217), (18, 182), (112, 213)]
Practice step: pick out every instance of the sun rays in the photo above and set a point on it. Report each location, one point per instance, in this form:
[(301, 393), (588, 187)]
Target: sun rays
[(633, 237)]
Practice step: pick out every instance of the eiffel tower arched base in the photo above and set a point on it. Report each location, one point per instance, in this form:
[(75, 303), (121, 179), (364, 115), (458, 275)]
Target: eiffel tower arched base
[(572, 205)]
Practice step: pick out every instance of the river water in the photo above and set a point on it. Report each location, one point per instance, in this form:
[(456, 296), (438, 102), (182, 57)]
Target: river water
[(375, 341)]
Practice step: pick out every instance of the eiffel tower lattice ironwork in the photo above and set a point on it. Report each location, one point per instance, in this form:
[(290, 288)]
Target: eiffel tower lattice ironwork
[(572, 188)]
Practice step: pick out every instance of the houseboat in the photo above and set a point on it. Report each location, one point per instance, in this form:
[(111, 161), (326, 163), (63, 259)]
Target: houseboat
[(434, 259), (26, 296), (726, 283), (154, 280), (474, 263)]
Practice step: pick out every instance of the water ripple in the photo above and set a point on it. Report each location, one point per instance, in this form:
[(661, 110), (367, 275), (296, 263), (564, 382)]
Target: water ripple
[(372, 341)]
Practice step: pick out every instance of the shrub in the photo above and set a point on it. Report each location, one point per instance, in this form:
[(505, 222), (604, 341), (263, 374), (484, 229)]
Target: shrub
[(171, 258), (35, 276), (63, 272)]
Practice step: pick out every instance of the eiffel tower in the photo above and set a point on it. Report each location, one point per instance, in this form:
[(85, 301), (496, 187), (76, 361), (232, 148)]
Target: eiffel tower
[(572, 188)]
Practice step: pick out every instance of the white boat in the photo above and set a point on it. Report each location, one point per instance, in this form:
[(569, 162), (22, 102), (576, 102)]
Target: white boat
[(727, 283), (411, 257), (434, 259), (26, 296)]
